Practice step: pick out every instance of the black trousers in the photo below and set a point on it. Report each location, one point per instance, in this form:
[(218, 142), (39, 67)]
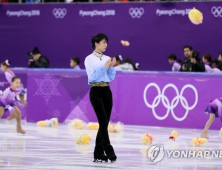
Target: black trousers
[(102, 102)]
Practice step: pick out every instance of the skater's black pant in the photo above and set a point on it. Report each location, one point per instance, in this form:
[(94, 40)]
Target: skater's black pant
[(102, 102)]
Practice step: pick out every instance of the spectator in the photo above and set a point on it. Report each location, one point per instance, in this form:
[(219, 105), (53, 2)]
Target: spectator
[(127, 65), (172, 59), (217, 66), (214, 63), (119, 59), (186, 64), (207, 61), (37, 60), (220, 57), (197, 64), (74, 63), (136, 66)]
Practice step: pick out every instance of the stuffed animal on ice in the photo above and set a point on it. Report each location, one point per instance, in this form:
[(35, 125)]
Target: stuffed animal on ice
[(93, 126), (174, 135), (48, 123), (195, 16), (78, 124), (198, 141), (147, 139), (221, 132), (125, 43), (83, 139), (115, 128)]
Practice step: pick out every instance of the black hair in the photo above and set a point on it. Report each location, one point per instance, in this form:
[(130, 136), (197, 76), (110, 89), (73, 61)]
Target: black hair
[(174, 57), (76, 59), (220, 53), (118, 58), (195, 55), (6, 63), (219, 65), (14, 78), (208, 57), (97, 38), (136, 66), (128, 60), (188, 46), (215, 61)]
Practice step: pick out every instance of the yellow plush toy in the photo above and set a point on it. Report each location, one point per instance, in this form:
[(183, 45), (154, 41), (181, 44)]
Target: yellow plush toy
[(93, 126), (78, 124), (83, 139), (48, 123), (198, 141), (147, 139), (125, 43), (195, 16), (221, 132), (115, 128), (174, 135)]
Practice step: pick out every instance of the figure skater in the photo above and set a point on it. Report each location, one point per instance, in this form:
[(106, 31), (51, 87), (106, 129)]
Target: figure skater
[(9, 74), (207, 62), (172, 59), (7, 101), (100, 71), (214, 110)]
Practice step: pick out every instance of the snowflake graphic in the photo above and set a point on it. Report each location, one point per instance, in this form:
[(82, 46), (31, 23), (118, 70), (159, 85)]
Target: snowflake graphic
[(47, 87), (79, 106), (2, 83)]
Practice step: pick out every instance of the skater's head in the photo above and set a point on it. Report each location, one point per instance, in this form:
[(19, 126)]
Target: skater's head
[(5, 65), (99, 42), (74, 62), (220, 56), (172, 58), (214, 63), (119, 59), (206, 58), (187, 49), (16, 81)]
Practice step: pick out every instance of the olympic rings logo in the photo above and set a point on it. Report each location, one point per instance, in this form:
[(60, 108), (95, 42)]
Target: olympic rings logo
[(170, 106), (59, 12), (136, 12), (217, 11)]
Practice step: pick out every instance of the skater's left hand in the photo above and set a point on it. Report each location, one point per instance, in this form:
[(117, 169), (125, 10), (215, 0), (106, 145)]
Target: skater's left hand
[(113, 62)]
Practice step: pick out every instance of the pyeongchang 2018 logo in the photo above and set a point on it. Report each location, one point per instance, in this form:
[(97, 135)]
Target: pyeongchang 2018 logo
[(216, 11), (171, 12), (22, 13), (170, 106), (97, 13)]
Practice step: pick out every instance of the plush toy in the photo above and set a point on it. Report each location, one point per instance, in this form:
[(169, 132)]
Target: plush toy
[(199, 141), (195, 16), (48, 123), (83, 139), (93, 126), (115, 128), (78, 124), (147, 139), (125, 43), (221, 132), (174, 135)]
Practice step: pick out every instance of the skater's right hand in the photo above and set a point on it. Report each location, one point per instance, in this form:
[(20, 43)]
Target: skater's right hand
[(108, 63)]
